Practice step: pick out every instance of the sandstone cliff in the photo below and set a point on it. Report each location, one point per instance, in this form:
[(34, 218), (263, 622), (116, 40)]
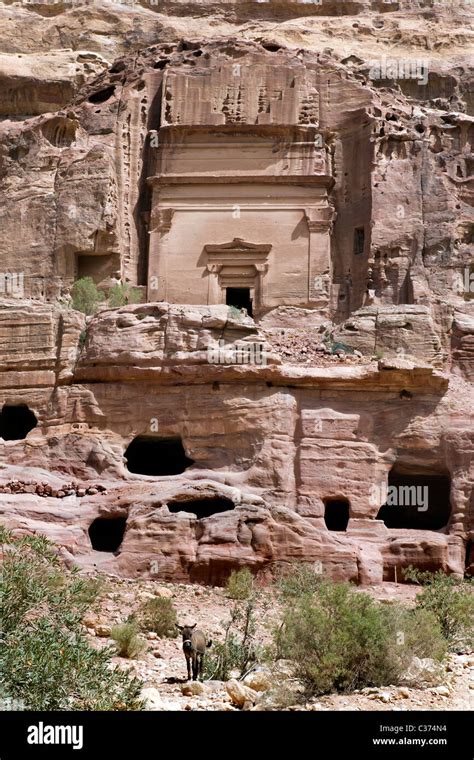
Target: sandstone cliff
[(211, 460)]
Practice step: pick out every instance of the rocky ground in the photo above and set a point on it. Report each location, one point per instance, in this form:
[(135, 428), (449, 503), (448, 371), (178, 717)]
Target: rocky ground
[(299, 346), (162, 666)]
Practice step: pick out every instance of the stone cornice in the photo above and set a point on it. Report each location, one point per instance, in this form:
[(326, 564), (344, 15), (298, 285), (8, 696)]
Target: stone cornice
[(318, 180)]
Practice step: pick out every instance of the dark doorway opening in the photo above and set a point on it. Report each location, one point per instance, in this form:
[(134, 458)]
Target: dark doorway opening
[(147, 455), (97, 267), (106, 533), (239, 298), (416, 500), (393, 570), (336, 514), (16, 422), (202, 507), (359, 240)]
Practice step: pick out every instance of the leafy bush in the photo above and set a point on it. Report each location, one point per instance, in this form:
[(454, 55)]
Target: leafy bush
[(46, 660), (126, 636), (416, 633), (452, 603), (297, 580), (86, 296), (234, 313), (341, 640), (122, 294), (240, 584), (159, 615), (230, 655)]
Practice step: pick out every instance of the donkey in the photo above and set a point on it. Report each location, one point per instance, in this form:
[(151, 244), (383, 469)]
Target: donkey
[(194, 647)]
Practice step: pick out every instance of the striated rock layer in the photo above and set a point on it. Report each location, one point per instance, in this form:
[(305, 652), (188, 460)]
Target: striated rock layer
[(179, 438)]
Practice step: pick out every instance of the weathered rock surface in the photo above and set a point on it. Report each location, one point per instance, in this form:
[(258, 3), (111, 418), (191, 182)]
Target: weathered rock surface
[(33, 84), (384, 385)]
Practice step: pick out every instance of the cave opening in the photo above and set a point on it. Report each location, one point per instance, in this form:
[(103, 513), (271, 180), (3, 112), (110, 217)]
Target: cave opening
[(106, 533), (416, 500), (16, 421), (148, 455), (272, 47), (202, 507), (336, 514), (101, 96)]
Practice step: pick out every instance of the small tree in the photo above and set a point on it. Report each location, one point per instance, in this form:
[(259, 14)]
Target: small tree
[(239, 651), (86, 296)]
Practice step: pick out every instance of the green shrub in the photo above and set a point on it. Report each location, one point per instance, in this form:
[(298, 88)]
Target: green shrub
[(225, 657), (340, 640), (46, 660), (240, 584), (159, 615), (122, 294), (451, 601), (416, 632), (297, 580), (86, 296), (234, 313), (126, 636)]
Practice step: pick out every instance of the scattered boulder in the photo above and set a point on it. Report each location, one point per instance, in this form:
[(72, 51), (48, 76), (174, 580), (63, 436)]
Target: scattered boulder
[(103, 630), (258, 680), (240, 693), (193, 689), (164, 593), (152, 698), (422, 671)]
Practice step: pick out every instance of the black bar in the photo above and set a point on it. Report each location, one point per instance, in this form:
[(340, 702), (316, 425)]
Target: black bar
[(315, 735)]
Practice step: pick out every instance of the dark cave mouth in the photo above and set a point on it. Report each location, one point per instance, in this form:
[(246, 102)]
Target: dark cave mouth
[(16, 421), (106, 534), (417, 501), (149, 455), (202, 507), (336, 514)]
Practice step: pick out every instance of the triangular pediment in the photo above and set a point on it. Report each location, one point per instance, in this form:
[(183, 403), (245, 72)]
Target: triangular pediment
[(238, 244)]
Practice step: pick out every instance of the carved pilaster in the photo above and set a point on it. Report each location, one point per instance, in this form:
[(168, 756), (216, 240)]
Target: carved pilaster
[(261, 268), (214, 294), (320, 223), (160, 224)]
